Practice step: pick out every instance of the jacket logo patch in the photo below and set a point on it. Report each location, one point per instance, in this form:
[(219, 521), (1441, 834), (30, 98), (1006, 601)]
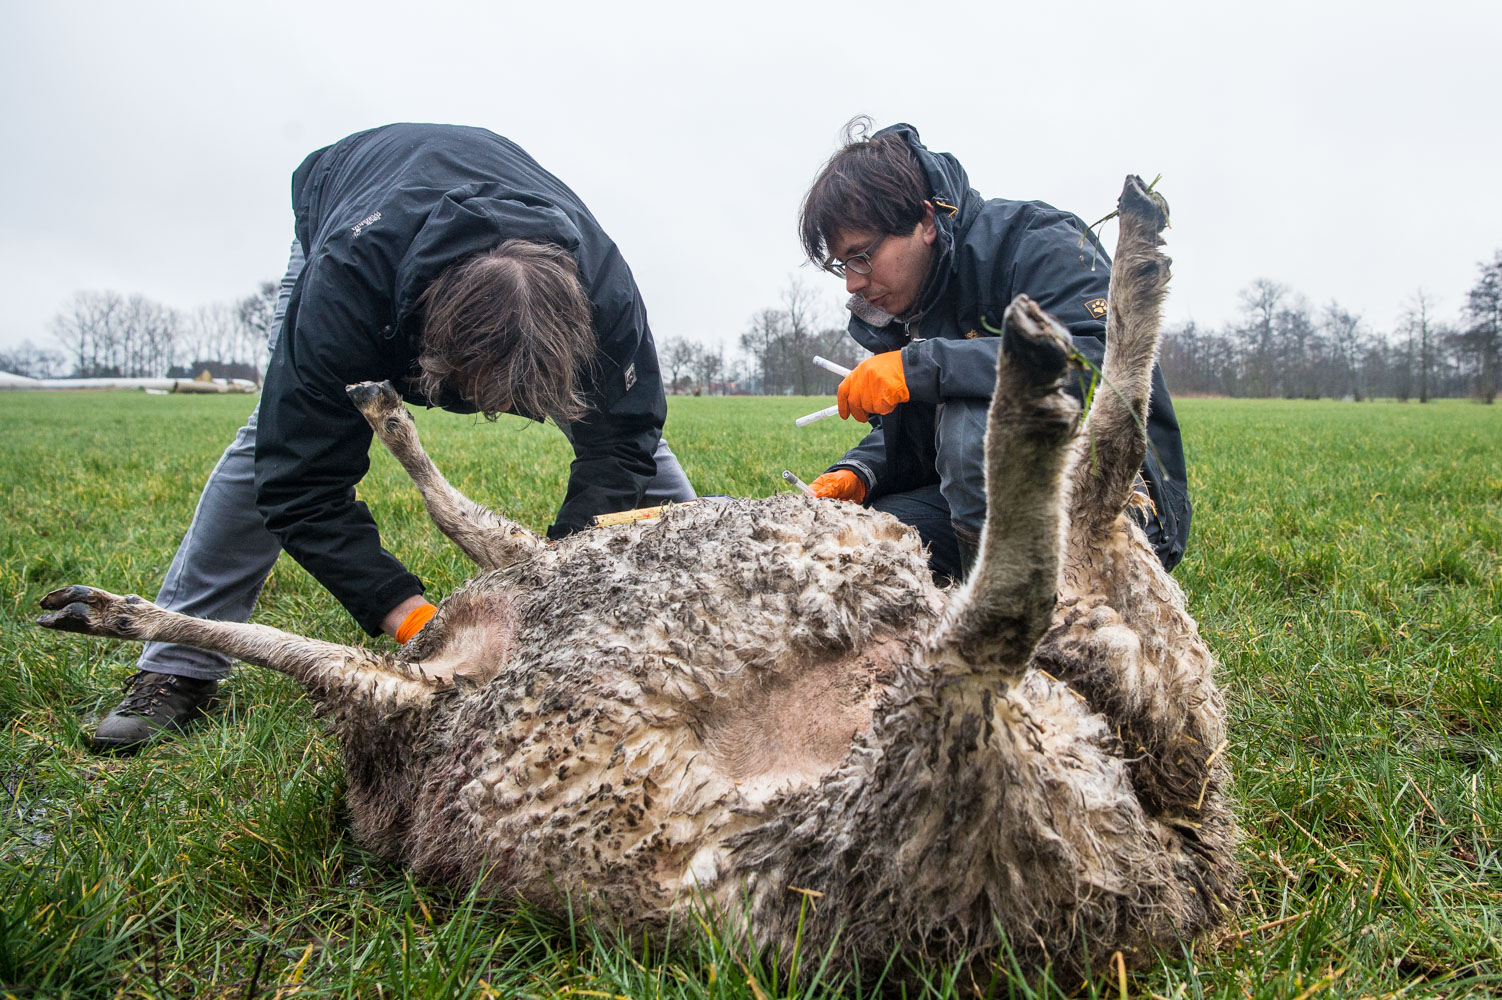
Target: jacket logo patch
[(370, 219), (630, 375), (1096, 308)]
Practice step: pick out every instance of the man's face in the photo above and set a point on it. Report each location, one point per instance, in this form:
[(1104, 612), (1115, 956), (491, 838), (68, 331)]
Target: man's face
[(899, 263)]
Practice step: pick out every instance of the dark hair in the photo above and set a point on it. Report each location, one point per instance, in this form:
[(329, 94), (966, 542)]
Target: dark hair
[(871, 185), (508, 329)]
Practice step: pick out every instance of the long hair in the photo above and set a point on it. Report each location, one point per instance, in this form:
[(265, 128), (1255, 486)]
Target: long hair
[(873, 185), (509, 330)]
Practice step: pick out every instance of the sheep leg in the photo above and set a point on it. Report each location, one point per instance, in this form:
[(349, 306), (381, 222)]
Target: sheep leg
[(1103, 478), (1009, 599), (489, 539), (326, 668)]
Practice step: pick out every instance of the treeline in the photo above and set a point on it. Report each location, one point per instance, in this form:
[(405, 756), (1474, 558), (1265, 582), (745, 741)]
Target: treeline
[(777, 352), (1279, 346), (109, 335)]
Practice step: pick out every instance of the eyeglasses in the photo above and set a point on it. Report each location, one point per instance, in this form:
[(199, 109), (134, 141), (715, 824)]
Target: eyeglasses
[(860, 263)]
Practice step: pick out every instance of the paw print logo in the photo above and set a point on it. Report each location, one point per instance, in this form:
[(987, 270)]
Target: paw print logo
[(1096, 308)]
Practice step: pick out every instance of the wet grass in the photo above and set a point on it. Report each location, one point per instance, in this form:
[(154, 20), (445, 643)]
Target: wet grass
[(1346, 564)]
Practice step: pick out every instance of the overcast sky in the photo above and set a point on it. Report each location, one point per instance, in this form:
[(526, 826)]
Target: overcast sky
[(1348, 150)]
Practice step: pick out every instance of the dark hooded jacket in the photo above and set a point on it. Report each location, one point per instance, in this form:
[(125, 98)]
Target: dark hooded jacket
[(986, 253), (379, 215)]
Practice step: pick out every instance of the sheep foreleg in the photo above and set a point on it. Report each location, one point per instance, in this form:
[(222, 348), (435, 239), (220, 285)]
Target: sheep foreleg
[(491, 540), (361, 675)]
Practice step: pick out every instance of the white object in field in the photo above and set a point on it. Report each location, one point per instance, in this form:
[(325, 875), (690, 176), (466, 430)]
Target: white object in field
[(830, 366), (828, 411), (793, 480)]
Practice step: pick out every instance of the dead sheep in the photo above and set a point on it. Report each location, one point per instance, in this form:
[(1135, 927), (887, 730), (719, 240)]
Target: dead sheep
[(737, 702)]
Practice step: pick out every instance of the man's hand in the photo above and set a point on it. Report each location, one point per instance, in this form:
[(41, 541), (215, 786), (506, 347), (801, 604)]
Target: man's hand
[(876, 385), (841, 484), (407, 619)]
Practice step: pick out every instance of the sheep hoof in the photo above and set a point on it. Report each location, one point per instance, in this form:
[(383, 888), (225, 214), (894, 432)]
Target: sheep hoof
[(1034, 343), (1147, 207), (373, 398), (89, 611)]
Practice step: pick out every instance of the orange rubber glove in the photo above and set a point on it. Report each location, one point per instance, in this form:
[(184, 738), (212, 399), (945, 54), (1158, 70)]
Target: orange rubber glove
[(415, 620), (841, 484), (876, 385)]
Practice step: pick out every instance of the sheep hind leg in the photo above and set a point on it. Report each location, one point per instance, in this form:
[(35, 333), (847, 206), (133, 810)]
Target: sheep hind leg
[(1104, 475), (489, 539), (1009, 598), (330, 671)]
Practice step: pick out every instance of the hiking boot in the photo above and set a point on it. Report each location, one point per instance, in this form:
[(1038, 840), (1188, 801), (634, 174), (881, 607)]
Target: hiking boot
[(154, 703)]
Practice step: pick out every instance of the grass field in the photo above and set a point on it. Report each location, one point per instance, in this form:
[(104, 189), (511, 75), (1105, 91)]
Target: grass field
[(1345, 563)]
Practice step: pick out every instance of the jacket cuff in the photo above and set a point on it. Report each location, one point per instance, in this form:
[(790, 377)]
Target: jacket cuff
[(861, 469), (920, 373), (379, 602)]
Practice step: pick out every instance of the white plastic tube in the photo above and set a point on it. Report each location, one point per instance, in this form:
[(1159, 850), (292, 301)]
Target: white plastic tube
[(828, 411), (830, 366)]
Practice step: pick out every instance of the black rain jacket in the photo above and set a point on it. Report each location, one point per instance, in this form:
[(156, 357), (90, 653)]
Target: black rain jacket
[(987, 252), (379, 215)]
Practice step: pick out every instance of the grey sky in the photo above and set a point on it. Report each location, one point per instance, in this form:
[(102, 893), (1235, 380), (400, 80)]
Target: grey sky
[(1349, 150)]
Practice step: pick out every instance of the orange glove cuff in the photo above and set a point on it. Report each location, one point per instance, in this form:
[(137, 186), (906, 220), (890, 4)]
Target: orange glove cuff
[(415, 620), (841, 484), (876, 385)]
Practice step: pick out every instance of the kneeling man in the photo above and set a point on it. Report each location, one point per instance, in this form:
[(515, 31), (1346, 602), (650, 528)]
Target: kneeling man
[(930, 267)]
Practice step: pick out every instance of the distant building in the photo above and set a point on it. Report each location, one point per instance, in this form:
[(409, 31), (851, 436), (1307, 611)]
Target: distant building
[(216, 369)]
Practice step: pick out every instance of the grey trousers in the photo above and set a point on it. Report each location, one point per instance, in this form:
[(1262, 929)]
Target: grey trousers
[(949, 516), (227, 553)]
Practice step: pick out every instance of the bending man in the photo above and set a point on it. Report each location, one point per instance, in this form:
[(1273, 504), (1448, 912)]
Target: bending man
[(446, 260)]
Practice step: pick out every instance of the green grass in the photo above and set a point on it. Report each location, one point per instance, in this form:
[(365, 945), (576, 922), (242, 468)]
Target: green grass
[(1345, 563)]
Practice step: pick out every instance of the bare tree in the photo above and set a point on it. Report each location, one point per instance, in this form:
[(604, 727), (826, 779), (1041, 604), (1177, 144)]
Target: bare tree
[(88, 328), (709, 364), (32, 361), (107, 334), (1297, 347), (677, 356), (800, 305), (781, 343), (1482, 338), (1348, 340), (1260, 302), (766, 343), (211, 335), (1420, 329), (149, 345), (254, 314)]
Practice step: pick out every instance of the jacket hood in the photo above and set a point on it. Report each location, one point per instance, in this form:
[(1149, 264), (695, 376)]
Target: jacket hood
[(469, 220), (955, 201)]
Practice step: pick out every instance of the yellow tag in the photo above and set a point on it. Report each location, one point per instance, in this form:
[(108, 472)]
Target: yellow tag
[(1096, 308), (639, 514)]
